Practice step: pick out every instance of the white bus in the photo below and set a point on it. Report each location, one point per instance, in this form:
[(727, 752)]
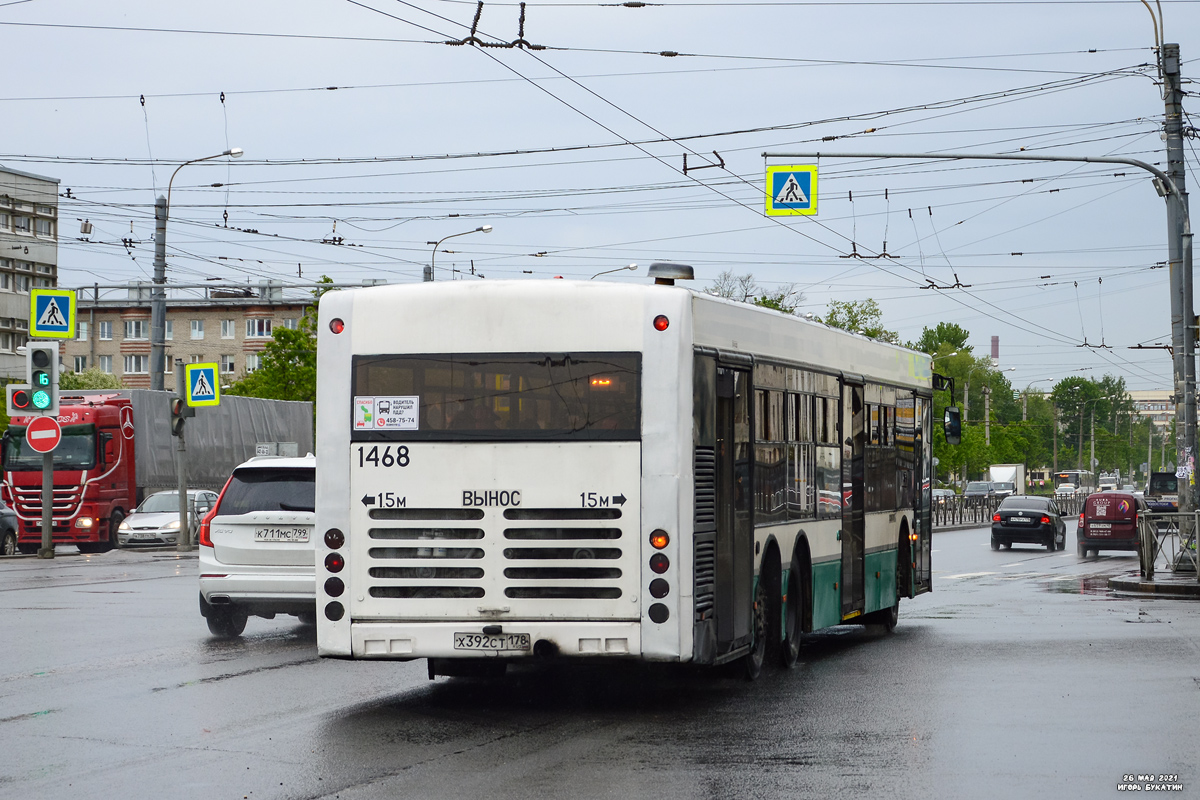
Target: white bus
[(520, 469)]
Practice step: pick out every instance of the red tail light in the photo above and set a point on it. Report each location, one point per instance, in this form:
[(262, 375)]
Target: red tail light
[(1081, 519), (996, 517), (204, 538), (1045, 520)]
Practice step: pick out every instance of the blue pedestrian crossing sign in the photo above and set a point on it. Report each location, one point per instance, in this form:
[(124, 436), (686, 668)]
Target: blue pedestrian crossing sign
[(202, 386), (792, 190), (52, 313)]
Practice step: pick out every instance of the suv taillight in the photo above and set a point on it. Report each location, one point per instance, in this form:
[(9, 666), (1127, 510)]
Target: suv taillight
[(204, 538)]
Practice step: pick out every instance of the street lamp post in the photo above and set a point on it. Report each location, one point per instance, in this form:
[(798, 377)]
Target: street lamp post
[(438, 243), (158, 295)]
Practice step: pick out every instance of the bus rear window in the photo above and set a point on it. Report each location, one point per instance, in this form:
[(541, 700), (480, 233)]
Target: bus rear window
[(532, 397)]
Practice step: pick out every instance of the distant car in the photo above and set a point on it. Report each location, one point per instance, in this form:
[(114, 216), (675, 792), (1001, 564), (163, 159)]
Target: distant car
[(1028, 519), (1162, 492), (1003, 488), (1108, 522), (256, 545), (1064, 490), (979, 489), (941, 496), (8, 531), (156, 521)]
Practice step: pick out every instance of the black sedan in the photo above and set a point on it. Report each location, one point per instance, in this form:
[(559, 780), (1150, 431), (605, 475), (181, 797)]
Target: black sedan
[(1031, 520)]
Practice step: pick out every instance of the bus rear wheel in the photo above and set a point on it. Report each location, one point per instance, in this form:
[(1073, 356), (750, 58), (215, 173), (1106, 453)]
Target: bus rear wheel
[(793, 620)]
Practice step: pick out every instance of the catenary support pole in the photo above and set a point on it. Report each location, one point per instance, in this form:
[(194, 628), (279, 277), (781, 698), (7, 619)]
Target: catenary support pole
[(1183, 330), (184, 542), (158, 296)]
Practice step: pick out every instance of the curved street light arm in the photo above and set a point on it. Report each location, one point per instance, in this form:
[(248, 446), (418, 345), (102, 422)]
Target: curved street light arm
[(438, 243)]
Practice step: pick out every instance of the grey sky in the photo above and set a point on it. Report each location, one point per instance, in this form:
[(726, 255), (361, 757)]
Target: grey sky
[(74, 109)]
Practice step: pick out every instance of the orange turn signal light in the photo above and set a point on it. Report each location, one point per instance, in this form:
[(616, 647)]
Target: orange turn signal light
[(659, 539)]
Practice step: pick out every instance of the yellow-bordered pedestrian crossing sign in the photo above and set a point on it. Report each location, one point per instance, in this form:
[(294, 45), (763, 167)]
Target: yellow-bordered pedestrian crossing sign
[(792, 190), (203, 388), (52, 313)]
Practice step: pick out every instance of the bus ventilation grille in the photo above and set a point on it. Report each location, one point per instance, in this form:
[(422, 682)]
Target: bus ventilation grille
[(706, 489), (706, 572), (566, 554)]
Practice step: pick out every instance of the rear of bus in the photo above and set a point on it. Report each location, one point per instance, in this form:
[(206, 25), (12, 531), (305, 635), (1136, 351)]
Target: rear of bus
[(492, 472)]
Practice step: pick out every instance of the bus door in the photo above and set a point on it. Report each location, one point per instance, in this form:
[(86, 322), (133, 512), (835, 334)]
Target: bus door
[(735, 526), (854, 434), (922, 496)]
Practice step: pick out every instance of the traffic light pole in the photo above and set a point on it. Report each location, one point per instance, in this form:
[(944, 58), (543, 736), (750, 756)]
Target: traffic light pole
[(184, 542), (47, 549)]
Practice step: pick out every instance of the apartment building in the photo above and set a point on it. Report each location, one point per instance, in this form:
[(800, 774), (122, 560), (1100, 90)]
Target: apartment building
[(1157, 405), (229, 326), (28, 256)]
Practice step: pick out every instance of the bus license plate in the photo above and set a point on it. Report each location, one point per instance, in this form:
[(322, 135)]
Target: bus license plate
[(491, 641), (281, 534)]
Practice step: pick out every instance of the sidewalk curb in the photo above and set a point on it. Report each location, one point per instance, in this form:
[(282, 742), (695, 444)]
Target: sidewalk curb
[(1175, 588)]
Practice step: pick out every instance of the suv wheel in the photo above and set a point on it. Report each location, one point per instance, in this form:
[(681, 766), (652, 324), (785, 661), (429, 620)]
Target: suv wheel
[(226, 623)]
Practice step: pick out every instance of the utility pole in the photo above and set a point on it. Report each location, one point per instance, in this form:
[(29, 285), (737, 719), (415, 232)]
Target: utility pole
[(1025, 406), (184, 543), (1092, 457), (1055, 437), (158, 295), (1179, 254), (987, 415), (1079, 451)]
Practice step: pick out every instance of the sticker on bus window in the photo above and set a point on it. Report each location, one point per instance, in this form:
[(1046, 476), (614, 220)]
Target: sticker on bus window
[(386, 413)]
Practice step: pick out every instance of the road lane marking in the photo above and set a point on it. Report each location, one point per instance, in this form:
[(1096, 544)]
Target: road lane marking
[(968, 575)]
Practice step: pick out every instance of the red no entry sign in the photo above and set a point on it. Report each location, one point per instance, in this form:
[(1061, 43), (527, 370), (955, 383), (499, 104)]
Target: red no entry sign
[(43, 434)]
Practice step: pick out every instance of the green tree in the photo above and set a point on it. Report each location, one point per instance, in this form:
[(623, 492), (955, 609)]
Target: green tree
[(288, 364), (859, 316), (92, 378), (946, 336)]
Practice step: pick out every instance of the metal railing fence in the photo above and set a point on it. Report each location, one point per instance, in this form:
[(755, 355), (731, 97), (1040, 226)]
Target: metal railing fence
[(1168, 538), (959, 510)]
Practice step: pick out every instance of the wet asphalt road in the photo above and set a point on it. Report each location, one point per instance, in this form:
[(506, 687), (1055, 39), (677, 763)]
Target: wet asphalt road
[(1020, 676)]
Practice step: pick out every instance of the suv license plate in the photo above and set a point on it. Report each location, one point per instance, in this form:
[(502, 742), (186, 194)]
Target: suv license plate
[(281, 534), (491, 642)]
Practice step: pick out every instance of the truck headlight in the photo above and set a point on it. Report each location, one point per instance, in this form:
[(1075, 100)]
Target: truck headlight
[(84, 522)]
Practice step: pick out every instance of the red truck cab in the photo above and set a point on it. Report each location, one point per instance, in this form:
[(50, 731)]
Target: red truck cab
[(95, 480)]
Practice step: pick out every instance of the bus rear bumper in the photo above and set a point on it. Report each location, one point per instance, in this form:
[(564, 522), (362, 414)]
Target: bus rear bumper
[(437, 639)]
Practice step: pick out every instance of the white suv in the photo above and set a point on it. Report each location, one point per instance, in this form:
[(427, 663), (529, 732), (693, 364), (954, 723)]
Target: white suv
[(256, 547)]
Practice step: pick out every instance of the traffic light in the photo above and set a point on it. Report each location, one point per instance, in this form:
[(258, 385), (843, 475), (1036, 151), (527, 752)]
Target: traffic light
[(19, 400), (180, 411), (42, 369)]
